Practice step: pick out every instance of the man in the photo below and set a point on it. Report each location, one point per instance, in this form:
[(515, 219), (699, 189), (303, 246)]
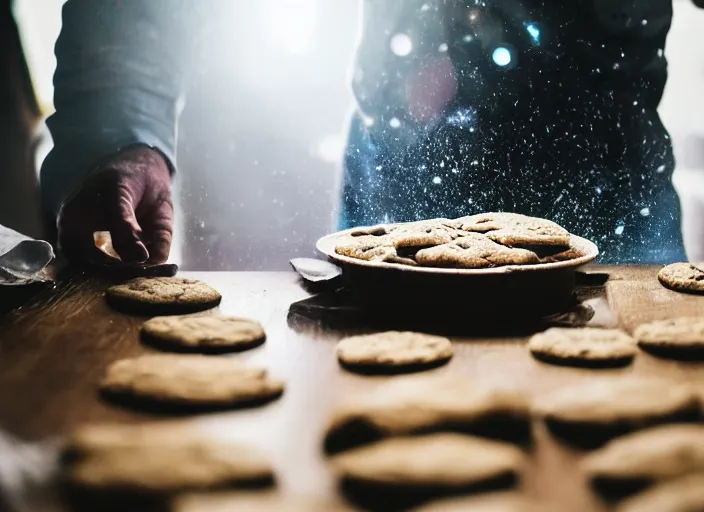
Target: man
[(543, 108), (119, 84)]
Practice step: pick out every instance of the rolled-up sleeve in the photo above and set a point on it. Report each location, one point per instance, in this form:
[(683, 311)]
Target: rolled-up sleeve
[(119, 81)]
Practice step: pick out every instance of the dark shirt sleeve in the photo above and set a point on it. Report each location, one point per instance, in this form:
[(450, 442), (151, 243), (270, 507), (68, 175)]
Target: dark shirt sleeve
[(119, 81)]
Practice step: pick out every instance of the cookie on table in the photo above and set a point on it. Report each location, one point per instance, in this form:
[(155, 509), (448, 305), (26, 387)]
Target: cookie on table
[(494, 502), (685, 494), (513, 229), (157, 458), (641, 458), (204, 333), (673, 337), (593, 412), (250, 501), (195, 381), (683, 277), (163, 295), (414, 405), (583, 346), (393, 351), (474, 250), (381, 243), (439, 461), (113, 436)]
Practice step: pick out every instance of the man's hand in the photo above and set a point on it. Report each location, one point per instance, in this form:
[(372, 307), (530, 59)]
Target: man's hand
[(128, 195)]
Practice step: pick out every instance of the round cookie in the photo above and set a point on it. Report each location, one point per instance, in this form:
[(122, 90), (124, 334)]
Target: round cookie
[(113, 436), (190, 381), (416, 405), (683, 277), (474, 250), (657, 453), (591, 413), (366, 247), (684, 494), (163, 295), (251, 501), (153, 458), (673, 337), (583, 346), (449, 461), (494, 502), (513, 229), (204, 333), (425, 233), (393, 351)]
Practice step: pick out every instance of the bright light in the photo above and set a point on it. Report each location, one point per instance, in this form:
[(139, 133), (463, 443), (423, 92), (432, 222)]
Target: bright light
[(292, 24), (501, 56), (368, 121), (533, 31), (330, 148), (401, 45), (462, 117), (394, 122)]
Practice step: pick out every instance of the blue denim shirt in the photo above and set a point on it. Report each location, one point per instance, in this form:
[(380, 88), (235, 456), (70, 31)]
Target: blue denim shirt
[(120, 80)]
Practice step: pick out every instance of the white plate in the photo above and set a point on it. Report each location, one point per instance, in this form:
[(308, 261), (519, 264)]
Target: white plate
[(326, 245)]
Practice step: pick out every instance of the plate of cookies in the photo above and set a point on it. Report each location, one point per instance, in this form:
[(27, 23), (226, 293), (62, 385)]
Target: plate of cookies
[(485, 260)]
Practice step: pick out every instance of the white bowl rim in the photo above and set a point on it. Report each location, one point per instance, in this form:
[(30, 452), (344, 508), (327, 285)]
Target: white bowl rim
[(326, 245)]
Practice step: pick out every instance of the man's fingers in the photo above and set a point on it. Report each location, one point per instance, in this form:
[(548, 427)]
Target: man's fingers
[(158, 229), (82, 248), (125, 230)]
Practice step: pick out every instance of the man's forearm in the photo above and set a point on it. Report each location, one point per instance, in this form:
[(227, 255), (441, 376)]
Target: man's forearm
[(119, 81)]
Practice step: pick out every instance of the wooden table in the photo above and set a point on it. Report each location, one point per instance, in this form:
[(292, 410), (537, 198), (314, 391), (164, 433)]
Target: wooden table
[(54, 350)]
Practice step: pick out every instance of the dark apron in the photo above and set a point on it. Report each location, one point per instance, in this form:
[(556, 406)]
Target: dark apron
[(543, 108)]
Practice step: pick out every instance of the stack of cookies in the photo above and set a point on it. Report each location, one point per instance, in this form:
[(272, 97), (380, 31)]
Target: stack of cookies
[(422, 438), (477, 241), (648, 437), (158, 460)]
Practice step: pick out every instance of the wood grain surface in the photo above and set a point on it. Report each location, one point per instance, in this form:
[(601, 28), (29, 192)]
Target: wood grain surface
[(54, 350)]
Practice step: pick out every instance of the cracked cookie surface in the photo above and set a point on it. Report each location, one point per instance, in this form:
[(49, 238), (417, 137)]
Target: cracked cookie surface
[(197, 380), (477, 241), (513, 229), (205, 332), (674, 335), (443, 460), (159, 458), (474, 250), (583, 346), (394, 349), (170, 294), (683, 277)]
